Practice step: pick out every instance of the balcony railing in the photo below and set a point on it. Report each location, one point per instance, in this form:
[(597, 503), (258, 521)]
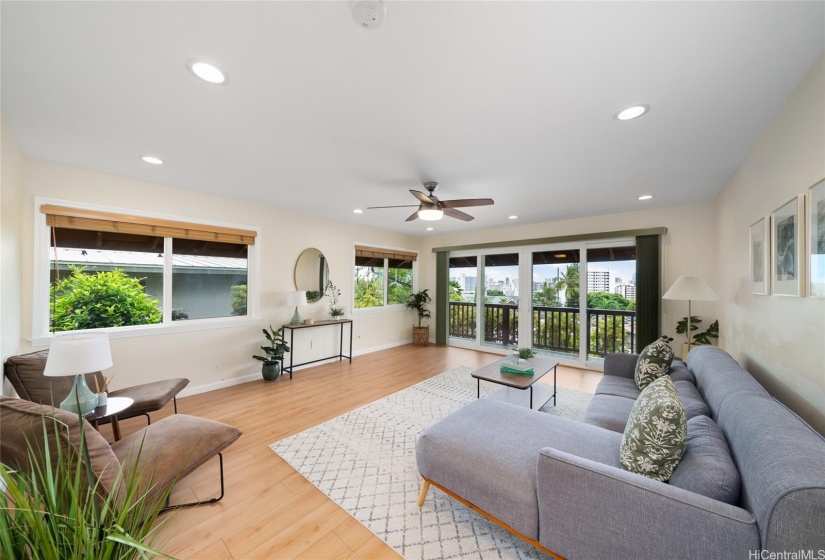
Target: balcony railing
[(554, 328)]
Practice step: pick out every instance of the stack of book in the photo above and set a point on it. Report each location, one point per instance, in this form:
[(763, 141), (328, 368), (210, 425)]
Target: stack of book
[(521, 368)]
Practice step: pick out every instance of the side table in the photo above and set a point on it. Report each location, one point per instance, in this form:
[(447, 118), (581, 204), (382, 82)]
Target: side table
[(113, 406), (340, 355)]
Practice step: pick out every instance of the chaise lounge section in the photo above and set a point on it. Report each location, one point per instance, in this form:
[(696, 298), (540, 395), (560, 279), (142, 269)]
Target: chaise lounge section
[(752, 477)]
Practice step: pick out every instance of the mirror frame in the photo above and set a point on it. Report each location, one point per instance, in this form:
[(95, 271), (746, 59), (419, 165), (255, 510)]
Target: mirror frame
[(313, 295)]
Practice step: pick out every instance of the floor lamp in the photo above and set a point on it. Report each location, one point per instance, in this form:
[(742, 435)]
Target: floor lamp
[(78, 355), (690, 288)]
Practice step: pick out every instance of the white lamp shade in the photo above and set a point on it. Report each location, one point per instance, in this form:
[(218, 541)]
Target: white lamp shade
[(78, 354), (296, 299), (691, 288)]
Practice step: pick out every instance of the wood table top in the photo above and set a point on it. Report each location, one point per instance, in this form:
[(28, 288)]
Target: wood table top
[(493, 373)]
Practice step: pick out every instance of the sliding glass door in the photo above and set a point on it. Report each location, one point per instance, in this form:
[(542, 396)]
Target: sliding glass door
[(578, 300)]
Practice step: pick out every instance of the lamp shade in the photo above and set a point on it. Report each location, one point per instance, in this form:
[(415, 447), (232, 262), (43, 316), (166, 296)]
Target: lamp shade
[(691, 288), (296, 299), (78, 354)]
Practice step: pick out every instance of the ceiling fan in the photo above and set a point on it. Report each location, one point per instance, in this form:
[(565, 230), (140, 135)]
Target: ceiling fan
[(430, 208)]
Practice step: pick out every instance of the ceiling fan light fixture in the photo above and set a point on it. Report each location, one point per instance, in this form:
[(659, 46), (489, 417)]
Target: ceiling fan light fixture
[(430, 214), (633, 112)]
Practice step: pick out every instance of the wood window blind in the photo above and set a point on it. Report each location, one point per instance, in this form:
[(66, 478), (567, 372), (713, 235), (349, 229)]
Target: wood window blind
[(93, 220), (378, 253)]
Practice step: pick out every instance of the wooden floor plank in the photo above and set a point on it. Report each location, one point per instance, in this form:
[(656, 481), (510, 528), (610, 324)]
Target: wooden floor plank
[(269, 509)]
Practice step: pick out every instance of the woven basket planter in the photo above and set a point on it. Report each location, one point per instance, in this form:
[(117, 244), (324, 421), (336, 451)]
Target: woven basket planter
[(421, 336)]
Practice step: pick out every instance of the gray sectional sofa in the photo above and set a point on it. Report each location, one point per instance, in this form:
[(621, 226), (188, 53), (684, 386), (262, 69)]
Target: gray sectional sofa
[(752, 477)]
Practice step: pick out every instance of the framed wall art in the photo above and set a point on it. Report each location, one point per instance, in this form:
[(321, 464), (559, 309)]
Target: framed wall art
[(816, 239), (760, 256), (787, 255)]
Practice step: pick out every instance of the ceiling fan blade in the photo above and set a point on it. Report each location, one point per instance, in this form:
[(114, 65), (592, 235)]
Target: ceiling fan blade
[(422, 197), (453, 213), (465, 202), (414, 216), (402, 206)]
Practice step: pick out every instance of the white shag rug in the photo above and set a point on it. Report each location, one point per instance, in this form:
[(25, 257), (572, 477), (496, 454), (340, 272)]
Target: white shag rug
[(364, 461)]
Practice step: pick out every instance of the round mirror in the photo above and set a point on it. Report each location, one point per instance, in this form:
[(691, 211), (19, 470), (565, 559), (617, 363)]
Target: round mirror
[(311, 274)]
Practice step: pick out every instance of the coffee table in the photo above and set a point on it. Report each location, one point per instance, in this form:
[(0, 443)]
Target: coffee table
[(113, 406), (516, 386)]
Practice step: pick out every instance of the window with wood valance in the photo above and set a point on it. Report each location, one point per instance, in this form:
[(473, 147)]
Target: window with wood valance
[(97, 221), (379, 253)]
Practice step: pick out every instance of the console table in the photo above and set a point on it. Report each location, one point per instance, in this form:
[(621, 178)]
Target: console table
[(340, 355)]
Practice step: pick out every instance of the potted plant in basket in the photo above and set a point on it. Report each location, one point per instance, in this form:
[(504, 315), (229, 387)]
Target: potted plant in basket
[(700, 338), (418, 301), (271, 368)]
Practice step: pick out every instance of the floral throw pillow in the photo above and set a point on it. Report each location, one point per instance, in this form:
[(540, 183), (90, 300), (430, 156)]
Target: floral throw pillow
[(656, 433), (654, 362)]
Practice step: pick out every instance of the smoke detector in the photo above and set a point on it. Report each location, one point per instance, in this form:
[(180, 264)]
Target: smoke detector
[(369, 14)]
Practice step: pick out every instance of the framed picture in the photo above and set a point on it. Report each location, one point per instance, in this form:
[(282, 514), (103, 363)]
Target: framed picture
[(816, 240), (787, 239), (760, 256)]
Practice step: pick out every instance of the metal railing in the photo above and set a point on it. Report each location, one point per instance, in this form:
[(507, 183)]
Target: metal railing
[(554, 328)]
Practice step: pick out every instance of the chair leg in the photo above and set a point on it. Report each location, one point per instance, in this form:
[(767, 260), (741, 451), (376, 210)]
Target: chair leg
[(175, 404), (425, 486), (167, 507)]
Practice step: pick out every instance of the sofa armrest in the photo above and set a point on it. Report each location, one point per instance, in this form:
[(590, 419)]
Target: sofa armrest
[(591, 510), (621, 365)]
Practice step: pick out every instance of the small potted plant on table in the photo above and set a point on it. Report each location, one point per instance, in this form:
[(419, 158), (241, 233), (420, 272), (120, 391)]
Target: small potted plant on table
[(336, 311), (274, 354), (418, 302)]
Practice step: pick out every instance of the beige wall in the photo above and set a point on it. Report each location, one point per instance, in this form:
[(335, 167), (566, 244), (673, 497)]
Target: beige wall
[(780, 340), (687, 247), (211, 358), (11, 193)]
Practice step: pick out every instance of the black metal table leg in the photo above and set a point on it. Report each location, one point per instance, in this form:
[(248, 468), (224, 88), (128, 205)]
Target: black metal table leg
[(478, 388), (291, 349), (341, 344), (350, 341), (531, 397)]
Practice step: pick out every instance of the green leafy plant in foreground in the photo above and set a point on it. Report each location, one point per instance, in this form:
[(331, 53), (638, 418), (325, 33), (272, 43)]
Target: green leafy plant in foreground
[(55, 509), (101, 299)]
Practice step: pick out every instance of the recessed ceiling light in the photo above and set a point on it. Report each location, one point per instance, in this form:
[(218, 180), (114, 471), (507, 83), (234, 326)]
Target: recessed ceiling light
[(646, 197), (357, 211), (632, 112), (429, 229), (206, 72), (560, 255), (512, 217), (153, 160)]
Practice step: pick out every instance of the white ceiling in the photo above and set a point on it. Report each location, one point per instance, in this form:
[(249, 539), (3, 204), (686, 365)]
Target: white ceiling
[(507, 100)]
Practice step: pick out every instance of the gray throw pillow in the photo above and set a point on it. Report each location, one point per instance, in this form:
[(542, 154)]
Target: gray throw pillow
[(707, 467), (654, 439), (654, 362)]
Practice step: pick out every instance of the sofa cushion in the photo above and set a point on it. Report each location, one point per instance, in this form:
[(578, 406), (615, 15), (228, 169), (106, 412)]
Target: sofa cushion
[(618, 386), (679, 372), (654, 440), (691, 399), (707, 467), (654, 362), (719, 376), (487, 453), (609, 412)]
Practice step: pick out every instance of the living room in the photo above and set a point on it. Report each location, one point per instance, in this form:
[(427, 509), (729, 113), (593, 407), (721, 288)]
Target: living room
[(716, 179)]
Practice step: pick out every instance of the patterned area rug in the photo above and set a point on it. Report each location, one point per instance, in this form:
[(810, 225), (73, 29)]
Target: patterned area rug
[(364, 460)]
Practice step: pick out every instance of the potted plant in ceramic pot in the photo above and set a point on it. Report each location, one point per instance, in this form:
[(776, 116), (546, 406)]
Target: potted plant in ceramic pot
[(271, 368), (336, 311), (418, 302)]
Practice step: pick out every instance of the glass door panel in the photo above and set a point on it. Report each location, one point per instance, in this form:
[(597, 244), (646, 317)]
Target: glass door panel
[(463, 286), (555, 298), (501, 300), (611, 299)]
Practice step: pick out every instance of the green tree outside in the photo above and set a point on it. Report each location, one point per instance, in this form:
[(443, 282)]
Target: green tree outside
[(101, 299)]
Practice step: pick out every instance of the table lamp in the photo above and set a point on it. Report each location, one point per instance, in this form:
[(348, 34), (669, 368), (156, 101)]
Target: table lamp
[(296, 299), (78, 355), (690, 288)]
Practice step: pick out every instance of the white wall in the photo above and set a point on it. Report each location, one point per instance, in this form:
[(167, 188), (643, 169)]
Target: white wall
[(210, 358), (687, 247), (11, 193), (780, 340)]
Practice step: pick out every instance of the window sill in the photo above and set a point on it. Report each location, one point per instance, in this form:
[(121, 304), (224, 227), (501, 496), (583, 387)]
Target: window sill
[(159, 329), (382, 309)]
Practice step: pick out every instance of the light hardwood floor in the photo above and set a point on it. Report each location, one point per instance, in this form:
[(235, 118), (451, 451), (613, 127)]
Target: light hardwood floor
[(269, 510)]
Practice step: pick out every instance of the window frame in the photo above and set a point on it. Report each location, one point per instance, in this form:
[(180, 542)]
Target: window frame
[(385, 307), (41, 336)]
